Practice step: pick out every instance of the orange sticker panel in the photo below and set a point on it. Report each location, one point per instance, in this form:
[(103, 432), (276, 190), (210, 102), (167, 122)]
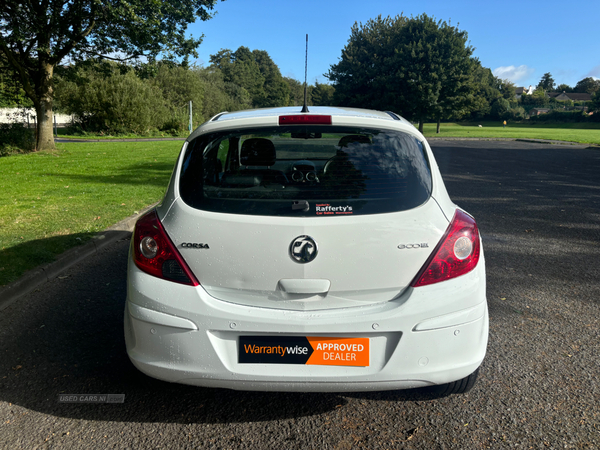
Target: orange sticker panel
[(328, 351)]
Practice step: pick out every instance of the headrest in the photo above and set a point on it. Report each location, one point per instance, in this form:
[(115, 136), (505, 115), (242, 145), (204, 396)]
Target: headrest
[(257, 152), (351, 138)]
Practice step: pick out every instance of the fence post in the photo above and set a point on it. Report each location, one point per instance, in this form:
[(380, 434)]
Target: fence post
[(190, 116), (55, 127)]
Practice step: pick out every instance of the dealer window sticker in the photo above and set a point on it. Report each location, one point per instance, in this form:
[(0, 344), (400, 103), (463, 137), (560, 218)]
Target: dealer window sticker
[(326, 209)]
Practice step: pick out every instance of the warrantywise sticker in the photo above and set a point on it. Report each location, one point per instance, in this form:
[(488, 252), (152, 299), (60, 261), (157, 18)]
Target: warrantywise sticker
[(323, 351)]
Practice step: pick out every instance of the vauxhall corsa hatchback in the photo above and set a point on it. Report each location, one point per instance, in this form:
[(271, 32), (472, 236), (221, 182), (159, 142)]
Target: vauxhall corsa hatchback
[(311, 251)]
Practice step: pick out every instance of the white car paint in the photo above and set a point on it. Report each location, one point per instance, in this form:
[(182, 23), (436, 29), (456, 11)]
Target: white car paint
[(358, 286)]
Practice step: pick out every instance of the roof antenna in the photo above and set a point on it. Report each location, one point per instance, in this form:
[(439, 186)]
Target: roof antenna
[(305, 107)]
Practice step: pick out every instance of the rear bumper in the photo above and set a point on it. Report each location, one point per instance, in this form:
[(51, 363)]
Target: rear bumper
[(430, 335)]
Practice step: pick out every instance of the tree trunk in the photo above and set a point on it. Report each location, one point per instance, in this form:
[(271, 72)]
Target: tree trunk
[(438, 127), (420, 125), (45, 135), (43, 108)]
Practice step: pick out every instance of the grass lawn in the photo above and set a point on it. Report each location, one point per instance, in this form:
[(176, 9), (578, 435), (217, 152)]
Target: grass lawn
[(50, 202), (587, 133)]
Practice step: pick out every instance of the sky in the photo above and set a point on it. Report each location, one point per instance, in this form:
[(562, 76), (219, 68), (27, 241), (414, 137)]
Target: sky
[(519, 40)]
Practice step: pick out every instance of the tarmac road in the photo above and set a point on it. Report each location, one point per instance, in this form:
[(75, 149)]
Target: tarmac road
[(538, 209)]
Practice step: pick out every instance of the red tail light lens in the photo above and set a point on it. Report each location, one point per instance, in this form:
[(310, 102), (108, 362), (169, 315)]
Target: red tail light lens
[(456, 254), (304, 119), (155, 254)]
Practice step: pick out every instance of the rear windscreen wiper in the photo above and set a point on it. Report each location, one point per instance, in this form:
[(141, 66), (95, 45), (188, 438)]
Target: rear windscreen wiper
[(300, 205)]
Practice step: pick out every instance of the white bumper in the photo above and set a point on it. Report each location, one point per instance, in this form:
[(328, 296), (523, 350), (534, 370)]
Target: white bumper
[(430, 335)]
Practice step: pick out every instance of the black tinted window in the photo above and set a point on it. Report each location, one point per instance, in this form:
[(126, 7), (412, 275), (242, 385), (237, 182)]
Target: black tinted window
[(305, 171)]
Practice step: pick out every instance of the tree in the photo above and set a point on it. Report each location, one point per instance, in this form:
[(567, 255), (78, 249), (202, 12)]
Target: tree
[(564, 88), (220, 95), (322, 94), (254, 71), (500, 108), (179, 86), (587, 86), (537, 99), (363, 75), (418, 67), (111, 98), (486, 91), (595, 103), (35, 36), (11, 92), (508, 90), (276, 90), (296, 91), (539, 96), (240, 68), (546, 83)]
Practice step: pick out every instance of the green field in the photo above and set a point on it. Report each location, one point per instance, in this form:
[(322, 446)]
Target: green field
[(586, 133), (50, 202)]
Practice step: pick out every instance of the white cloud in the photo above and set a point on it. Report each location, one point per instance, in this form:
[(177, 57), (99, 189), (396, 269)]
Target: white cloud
[(512, 73), (595, 72)]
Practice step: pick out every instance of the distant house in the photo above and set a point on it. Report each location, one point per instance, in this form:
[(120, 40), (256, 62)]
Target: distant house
[(538, 111), (523, 91), (574, 97)]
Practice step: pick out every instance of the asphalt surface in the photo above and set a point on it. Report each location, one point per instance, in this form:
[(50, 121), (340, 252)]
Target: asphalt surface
[(538, 209)]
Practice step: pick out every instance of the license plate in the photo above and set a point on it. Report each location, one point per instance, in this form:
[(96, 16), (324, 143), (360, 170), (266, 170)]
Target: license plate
[(309, 350)]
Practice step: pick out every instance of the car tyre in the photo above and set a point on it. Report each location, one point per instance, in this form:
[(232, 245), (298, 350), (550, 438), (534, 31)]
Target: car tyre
[(459, 386)]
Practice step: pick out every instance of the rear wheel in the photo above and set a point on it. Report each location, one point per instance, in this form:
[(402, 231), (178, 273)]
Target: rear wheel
[(459, 386)]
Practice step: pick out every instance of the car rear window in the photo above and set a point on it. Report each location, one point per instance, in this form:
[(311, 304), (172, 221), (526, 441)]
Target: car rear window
[(305, 171)]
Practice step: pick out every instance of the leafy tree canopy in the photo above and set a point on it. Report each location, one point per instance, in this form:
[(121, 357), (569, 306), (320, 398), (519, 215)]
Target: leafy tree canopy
[(322, 94), (588, 85), (508, 89), (564, 88), (537, 99), (11, 91), (487, 90), (418, 67), (547, 83), (595, 104), (254, 71), (116, 101), (500, 108), (296, 91), (35, 36)]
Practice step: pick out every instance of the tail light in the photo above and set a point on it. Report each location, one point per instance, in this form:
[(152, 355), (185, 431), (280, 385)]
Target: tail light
[(155, 254), (456, 254)]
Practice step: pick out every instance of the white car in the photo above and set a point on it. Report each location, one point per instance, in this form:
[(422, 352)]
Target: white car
[(311, 251)]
